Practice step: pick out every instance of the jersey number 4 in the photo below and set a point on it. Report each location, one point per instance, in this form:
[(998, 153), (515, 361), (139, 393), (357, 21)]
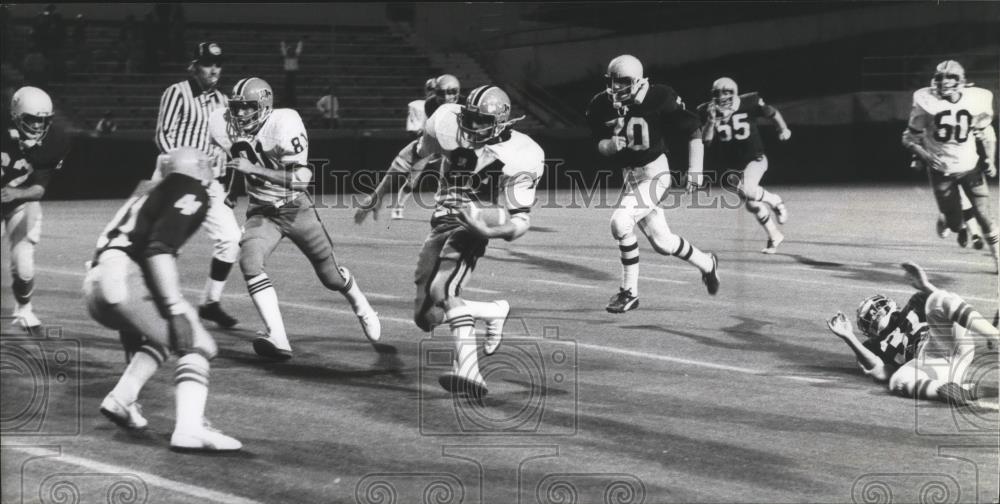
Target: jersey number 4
[(636, 131), (738, 127), (947, 129), (187, 204)]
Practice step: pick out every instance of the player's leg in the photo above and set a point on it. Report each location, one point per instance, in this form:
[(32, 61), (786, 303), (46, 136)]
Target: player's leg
[(664, 241), (260, 236), (467, 250), (636, 203), (427, 312), (975, 187), (306, 230), (758, 200), (948, 200), (973, 235), (24, 226), (222, 228)]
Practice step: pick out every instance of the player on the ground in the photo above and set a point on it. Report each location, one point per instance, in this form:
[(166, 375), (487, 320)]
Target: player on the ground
[(631, 122), (485, 161), (185, 108), (32, 149), (946, 122), (271, 148), (730, 124), (922, 350), (133, 286), (444, 89)]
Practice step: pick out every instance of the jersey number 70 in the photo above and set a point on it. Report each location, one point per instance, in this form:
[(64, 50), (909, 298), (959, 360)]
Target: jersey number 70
[(636, 131)]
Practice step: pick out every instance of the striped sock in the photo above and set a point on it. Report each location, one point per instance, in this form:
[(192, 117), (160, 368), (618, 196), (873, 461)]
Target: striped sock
[(764, 218), (629, 247), (992, 239), (23, 289), (462, 325), (353, 294), (691, 254), (265, 299), (191, 380), (141, 368)]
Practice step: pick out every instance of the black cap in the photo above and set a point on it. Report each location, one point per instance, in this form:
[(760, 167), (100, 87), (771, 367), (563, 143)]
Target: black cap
[(208, 53)]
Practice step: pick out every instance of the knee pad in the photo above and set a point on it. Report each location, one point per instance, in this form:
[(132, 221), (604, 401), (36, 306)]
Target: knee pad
[(622, 224), (251, 261), (428, 318), (188, 336), (227, 248)]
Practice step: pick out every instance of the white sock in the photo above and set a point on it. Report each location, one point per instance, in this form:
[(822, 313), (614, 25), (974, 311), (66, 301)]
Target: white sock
[(769, 197), (462, 324), (213, 291), (191, 379), (765, 219), (691, 254), (141, 368), (351, 291), (265, 299), (629, 248), (484, 311)]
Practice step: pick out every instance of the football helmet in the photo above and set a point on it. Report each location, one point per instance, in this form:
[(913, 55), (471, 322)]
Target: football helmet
[(31, 111), (624, 79), (447, 88), (188, 161), (253, 94), (485, 115), (429, 88), (874, 315), (724, 94), (949, 79)]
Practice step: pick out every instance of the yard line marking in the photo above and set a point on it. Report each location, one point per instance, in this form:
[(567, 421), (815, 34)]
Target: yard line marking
[(150, 479), (480, 291), (563, 284), (664, 280), (376, 295), (985, 263)]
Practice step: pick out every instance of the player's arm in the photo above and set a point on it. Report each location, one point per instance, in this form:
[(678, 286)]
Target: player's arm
[(34, 187), (913, 136), (607, 145), (709, 119), (688, 124), (400, 169), (171, 110), (987, 138), (870, 363), (519, 197), (293, 175), (770, 111)]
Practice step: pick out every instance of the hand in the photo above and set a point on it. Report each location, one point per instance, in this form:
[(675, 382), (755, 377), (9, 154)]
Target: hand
[(934, 163), (469, 218), (840, 325), (6, 195), (241, 165), (610, 146), (784, 134), (366, 205), (917, 277), (230, 201), (989, 168), (694, 182)]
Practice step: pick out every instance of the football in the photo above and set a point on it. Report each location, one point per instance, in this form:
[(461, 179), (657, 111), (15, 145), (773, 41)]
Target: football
[(489, 214)]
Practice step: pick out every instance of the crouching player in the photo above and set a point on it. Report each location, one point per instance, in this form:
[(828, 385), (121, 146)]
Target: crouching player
[(133, 286), (484, 160), (922, 350)]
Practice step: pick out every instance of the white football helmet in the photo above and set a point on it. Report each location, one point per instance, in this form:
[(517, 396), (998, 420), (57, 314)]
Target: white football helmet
[(187, 161), (31, 111), (255, 94), (724, 94), (949, 79), (429, 88), (447, 88), (485, 115), (625, 79), (874, 315)]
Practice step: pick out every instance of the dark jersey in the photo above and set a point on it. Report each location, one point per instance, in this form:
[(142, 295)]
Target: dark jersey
[(646, 126), (157, 220), (24, 166), (737, 136), (906, 328)]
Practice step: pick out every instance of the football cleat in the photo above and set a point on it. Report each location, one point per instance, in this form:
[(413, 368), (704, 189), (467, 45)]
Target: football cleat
[(711, 279), (25, 318), (772, 244), (371, 325), (128, 416), (397, 213), (623, 301), (205, 438), (781, 212), (977, 242), (265, 347), (213, 312), (494, 329), (941, 226), (475, 387)]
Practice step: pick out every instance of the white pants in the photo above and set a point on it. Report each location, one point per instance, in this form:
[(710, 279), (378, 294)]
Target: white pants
[(221, 226), (644, 188)]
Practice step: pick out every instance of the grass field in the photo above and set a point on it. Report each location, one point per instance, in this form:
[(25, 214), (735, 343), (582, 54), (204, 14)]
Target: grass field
[(740, 397)]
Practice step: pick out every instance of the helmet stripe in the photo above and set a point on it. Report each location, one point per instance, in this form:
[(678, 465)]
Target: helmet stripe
[(478, 93), (240, 85)]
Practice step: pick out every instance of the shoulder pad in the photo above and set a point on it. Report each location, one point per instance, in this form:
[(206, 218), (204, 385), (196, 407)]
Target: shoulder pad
[(520, 154), (443, 126)]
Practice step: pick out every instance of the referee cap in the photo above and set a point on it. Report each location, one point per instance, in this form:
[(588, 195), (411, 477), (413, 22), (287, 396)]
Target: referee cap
[(208, 53)]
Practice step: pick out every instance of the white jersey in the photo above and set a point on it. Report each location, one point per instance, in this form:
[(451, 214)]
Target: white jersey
[(947, 128), (504, 171), (280, 144), (415, 116)]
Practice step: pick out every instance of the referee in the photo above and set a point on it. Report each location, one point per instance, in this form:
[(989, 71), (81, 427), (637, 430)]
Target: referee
[(183, 122)]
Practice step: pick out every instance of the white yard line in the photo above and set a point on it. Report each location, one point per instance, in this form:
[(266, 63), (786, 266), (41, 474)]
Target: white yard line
[(172, 486), (564, 284)]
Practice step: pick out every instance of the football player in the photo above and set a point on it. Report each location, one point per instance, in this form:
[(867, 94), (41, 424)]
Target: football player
[(946, 122), (483, 161), (729, 122), (415, 124), (32, 149), (270, 147), (630, 122), (133, 286), (969, 235), (922, 350)]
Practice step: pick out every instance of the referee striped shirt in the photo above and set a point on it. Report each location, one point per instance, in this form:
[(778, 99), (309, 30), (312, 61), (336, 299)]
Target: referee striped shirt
[(183, 117)]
